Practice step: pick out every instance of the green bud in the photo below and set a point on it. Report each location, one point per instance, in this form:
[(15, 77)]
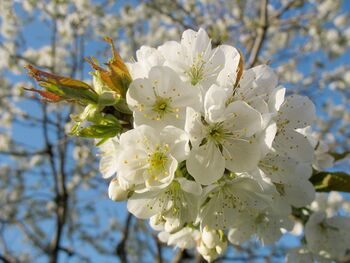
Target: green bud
[(108, 98)]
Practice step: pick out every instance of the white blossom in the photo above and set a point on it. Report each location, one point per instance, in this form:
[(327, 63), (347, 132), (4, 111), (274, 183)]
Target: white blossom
[(162, 98), (194, 59), (222, 140), (150, 158), (328, 237)]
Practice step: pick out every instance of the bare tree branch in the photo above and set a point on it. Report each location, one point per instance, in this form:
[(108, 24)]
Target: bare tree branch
[(121, 247), (261, 34)]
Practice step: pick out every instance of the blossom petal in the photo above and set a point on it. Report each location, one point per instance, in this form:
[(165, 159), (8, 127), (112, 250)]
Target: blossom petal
[(276, 99), (147, 204), (206, 164), (242, 119), (297, 112), (240, 155), (214, 103), (257, 82), (177, 140), (190, 186), (227, 76), (195, 42), (140, 94), (194, 126), (294, 144)]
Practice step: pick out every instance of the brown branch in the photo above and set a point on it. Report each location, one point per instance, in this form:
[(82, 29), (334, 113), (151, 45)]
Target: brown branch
[(24, 154), (157, 8), (61, 198), (121, 247), (181, 255), (35, 240), (284, 9), (261, 34), (6, 259), (159, 246)]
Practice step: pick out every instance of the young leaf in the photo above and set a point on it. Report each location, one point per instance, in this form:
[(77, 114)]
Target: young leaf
[(59, 88), (331, 181)]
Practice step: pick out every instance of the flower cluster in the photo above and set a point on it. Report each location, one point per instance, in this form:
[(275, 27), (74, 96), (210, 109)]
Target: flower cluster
[(217, 154), (326, 232)]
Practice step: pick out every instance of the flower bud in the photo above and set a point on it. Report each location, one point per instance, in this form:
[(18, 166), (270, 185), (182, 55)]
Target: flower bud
[(156, 222), (207, 253), (172, 224), (202, 249), (115, 192), (108, 98), (221, 247), (210, 237)]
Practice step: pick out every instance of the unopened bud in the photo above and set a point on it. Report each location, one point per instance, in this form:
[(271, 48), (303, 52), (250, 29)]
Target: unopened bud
[(156, 222), (207, 253), (221, 247), (210, 237), (108, 98), (115, 192)]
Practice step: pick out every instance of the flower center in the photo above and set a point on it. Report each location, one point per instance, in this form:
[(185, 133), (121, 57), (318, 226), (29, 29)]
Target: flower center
[(161, 106), (157, 162), (196, 72), (217, 133)]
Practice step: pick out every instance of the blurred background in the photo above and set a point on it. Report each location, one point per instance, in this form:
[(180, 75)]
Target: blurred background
[(53, 201)]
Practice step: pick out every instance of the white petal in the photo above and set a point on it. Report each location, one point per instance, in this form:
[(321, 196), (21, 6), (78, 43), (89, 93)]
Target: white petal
[(214, 103), (185, 238), (150, 56), (243, 119), (130, 168), (240, 155), (227, 76), (162, 79), (300, 193), (108, 166), (276, 98), (297, 112), (177, 140), (109, 155), (190, 186), (206, 164), (267, 137), (194, 126), (176, 58), (257, 81), (195, 42), (147, 204), (140, 92), (136, 137), (293, 144), (238, 236)]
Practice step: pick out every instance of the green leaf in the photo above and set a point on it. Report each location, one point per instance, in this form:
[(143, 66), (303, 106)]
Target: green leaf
[(339, 156), (331, 181), (62, 88), (99, 131), (81, 94)]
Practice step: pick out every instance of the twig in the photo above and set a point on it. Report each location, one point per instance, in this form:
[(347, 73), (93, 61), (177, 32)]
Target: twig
[(181, 255), (283, 9), (120, 250), (261, 34), (159, 258), (7, 259), (24, 154)]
